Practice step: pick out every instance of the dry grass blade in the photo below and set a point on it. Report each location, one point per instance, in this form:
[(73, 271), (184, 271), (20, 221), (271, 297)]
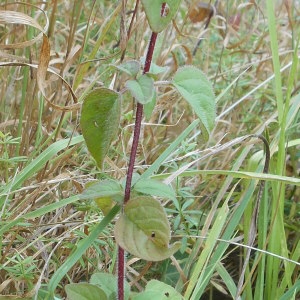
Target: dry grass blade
[(41, 77), (14, 17)]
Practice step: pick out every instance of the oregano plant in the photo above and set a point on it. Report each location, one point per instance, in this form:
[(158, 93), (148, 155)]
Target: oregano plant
[(142, 228)]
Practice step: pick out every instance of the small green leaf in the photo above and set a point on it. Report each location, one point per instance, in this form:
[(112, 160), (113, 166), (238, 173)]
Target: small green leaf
[(99, 121), (84, 291), (108, 283), (152, 9), (131, 67), (154, 68), (154, 188), (105, 204), (105, 193), (149, 107), (104, 188), (197, 90), (150, 295), (144, 230), (142, 89), (159, 291), (168, 291)]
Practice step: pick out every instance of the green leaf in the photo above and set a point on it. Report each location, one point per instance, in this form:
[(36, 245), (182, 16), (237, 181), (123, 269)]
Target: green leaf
[(152, 9), (154, 188), (37, 164), (154, 68), (81, 247), (159, 291), (168, 291), (144, 231), (142, 89), (104, 193), (131, 67), (105, 204), (99, 122), (197, 90), (150, 295), (149, 107), (84, 291), (108, 283)]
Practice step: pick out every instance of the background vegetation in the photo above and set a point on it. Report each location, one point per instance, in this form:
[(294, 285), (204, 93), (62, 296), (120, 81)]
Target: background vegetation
[(250, 56)]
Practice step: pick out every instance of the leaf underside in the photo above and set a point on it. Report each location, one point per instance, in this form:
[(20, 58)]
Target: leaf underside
[(143, 230)]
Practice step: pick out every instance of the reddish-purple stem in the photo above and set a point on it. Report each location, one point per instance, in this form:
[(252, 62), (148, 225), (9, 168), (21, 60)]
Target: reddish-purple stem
[(135, 142), (138, 121)]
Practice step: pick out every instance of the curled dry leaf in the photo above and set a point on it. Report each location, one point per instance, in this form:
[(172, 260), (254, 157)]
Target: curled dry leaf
[(14, 17), (41, 77), (200, 11)]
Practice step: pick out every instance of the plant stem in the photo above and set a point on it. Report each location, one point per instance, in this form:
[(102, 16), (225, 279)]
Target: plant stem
[(135, 142), (138, 121)]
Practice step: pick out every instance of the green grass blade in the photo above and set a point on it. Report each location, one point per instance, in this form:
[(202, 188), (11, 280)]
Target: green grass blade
[(292, 293), (227, 279), (262, 237), (37, 164), (81, 247), (102, 34), (228, 234), (195, 279), (275, 56), (236, 174), (155, 166)]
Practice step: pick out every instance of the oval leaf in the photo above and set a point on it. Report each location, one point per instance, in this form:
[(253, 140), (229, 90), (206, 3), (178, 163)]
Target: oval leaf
[(154, 188), (99, 121), (104, 188), (156, 21), (142, 89), (104, 193), (154, 68), (144, 230), (131, 67), (84, 291), (197, 90)]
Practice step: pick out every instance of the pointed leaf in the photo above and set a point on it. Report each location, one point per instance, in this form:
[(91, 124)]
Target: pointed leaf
[(105, 204), (197, 90), (144, 230), (84, 291), (131, 67), (149, 107), (154, 188), (104, 193), (154, 68), (156, 21), (99, 122), (142, 89), (104, 188)]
